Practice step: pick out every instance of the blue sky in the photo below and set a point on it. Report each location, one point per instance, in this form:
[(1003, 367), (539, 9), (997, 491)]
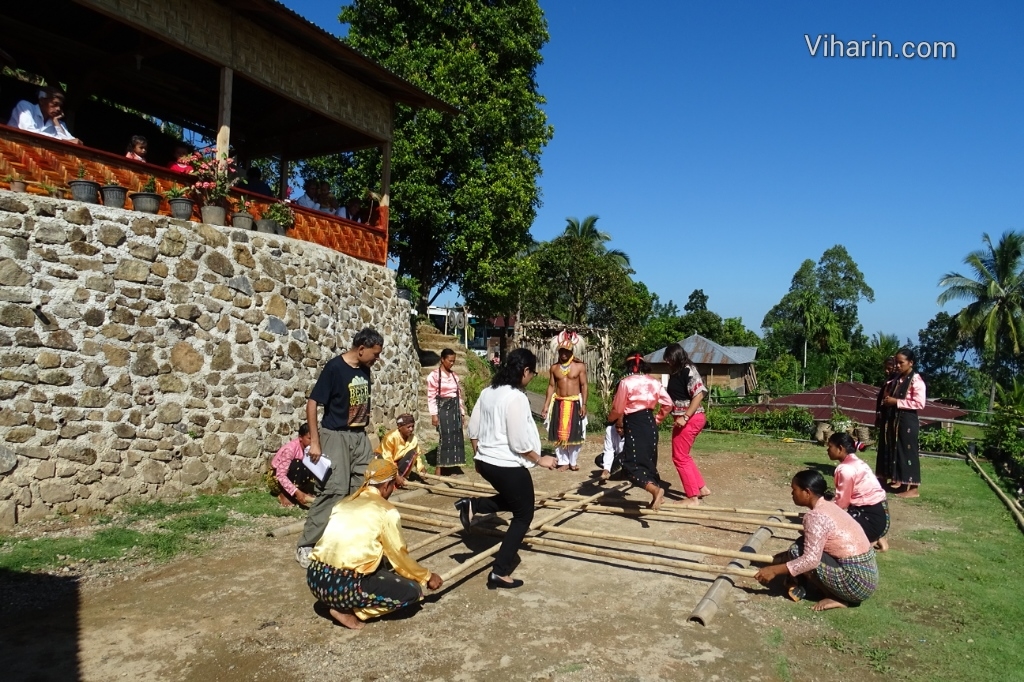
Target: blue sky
[(719, 154)]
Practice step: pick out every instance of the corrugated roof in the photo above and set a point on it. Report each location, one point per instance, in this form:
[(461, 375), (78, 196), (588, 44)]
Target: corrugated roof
[(854, 399), (706, 352)]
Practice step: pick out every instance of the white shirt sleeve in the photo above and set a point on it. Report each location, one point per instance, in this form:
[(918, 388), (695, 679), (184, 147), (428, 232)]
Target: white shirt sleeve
[(519, 426), (474, 422)]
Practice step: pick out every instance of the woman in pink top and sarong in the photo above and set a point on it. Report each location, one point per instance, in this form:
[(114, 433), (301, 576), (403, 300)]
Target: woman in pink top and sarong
[(833, 553), (907, 397), (633, 411), (447, 412), (858, 490)]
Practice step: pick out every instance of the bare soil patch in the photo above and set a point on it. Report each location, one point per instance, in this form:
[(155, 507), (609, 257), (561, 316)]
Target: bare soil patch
[(242, 611)]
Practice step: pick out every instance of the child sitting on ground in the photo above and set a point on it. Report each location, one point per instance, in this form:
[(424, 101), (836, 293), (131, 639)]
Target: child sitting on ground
[(289, 478), (858, 490), (401, 447)]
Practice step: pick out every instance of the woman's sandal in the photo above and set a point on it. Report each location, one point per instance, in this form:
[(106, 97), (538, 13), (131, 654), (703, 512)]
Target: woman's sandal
[(796, 592)]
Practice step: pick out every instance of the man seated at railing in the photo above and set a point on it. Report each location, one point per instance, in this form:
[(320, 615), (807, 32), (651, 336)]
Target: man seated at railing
[(308, 200), (45, 118)]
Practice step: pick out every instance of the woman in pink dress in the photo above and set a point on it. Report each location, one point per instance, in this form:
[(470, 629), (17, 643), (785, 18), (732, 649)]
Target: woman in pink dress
[(633, 411)]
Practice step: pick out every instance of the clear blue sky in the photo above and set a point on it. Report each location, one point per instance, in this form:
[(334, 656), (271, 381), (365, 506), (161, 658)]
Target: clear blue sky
[(719, 154)]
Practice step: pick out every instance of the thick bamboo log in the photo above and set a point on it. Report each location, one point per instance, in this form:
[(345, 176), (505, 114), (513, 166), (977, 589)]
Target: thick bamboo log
[(470, 563), (708, 606), (454, 485), (290, 529), (669, 544), (439, 536)]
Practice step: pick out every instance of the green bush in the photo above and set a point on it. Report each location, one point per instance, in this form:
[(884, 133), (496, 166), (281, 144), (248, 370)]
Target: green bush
[(793, 420), (939, 440), (1003, 432), (724, 419)]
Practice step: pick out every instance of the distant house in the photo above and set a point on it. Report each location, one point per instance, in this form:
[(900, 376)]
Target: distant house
[(727, 366)]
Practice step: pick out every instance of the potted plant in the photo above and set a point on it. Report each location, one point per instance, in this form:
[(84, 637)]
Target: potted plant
[(51, 190), (181, 205), (113, 193), (16, 182), (213, 180), (276, 218), (242, 217), (84, 190), (147, 200)]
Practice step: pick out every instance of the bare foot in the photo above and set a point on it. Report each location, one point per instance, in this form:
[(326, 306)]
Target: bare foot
[(347, 619), (826, 604), (912, 492), (564, 467), (689, 502), (574, 467), (882, 545), (285, 502), (705, 491), (657, 499)]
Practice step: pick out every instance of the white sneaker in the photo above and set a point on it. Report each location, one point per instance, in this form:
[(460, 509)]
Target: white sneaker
[(302, 556)]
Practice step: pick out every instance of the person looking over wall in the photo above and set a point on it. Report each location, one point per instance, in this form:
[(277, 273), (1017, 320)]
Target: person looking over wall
[(137, 148), (44, 118)]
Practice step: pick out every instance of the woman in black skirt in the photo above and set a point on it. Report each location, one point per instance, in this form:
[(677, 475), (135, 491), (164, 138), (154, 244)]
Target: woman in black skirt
[(906, 398), (447, 412)]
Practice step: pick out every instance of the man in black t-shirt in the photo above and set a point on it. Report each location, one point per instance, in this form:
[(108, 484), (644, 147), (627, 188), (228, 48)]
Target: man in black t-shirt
[(343, 389)]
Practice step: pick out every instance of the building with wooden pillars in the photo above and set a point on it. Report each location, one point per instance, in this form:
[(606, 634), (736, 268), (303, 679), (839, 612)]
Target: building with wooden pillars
[(251, 74)]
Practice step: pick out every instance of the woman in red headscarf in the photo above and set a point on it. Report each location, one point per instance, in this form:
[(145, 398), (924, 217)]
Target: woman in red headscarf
[(633, 411)]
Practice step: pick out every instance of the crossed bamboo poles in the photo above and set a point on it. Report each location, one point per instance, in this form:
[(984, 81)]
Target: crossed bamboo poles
[(566, 503)]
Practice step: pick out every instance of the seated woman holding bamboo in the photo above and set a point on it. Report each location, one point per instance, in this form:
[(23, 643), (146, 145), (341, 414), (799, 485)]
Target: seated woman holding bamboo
[(833, 554)]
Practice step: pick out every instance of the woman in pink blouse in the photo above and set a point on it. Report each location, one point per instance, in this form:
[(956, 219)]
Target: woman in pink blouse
[(833, 553), (907, 396), (447, 412), (633, 412), (858, 491)]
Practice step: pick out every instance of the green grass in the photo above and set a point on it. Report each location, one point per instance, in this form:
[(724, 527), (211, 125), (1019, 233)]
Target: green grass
[(948, 604), (181, 526)]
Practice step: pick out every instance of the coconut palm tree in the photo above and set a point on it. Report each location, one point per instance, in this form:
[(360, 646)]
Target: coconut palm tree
[(587, 231), (994, 315)]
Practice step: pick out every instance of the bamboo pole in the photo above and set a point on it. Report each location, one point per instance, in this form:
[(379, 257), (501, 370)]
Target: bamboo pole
[(669, 544), (1002, 496), (439, 536), (613, 554), (668, 503), (468, 564), (681, 515)]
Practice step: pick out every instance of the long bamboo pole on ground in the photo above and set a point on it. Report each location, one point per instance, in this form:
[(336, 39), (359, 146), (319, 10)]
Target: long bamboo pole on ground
[(454, 484), (470, 563), (1002, 496), (613, 554), (691, 516)]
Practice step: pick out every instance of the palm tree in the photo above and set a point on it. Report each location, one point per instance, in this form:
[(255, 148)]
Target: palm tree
[(587, 231), (994, 316)]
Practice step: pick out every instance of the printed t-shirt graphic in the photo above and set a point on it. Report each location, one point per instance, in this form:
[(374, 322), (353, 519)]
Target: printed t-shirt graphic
[(358, 402)]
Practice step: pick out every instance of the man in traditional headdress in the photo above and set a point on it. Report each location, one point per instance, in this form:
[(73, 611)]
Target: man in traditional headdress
[(361, 568), (565, 405)]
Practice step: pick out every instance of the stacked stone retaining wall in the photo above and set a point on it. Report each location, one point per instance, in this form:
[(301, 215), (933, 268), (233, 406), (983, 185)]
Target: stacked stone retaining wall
[(145, 356)]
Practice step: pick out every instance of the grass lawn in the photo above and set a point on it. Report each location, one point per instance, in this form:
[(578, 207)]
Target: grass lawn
[(949, 604)]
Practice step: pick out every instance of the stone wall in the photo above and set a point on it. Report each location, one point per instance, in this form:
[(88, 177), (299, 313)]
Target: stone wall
[(142, 356)]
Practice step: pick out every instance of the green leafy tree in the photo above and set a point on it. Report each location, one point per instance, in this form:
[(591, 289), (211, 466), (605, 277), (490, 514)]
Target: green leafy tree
[(993, 318), (735, 334), (464, 188), (698, 300), (587, 231)]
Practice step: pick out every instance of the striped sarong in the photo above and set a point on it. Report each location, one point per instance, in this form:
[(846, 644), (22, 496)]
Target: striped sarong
[(852, 579), (565, 425)]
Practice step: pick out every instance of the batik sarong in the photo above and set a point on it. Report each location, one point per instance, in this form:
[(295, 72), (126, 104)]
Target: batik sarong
[(368, 595)]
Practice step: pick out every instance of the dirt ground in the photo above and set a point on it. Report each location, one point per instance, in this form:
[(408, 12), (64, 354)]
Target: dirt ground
[(243, 612)]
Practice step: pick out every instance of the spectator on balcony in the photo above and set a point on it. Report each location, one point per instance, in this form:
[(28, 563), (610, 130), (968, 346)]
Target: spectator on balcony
[(353, 211), (137, 148), (254, 182), (182, 152), (44, 118), (308, 200), (326, 199)]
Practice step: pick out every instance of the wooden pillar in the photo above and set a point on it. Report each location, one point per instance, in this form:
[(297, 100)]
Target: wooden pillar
[(282, 179), (224, 114), (385, 180)]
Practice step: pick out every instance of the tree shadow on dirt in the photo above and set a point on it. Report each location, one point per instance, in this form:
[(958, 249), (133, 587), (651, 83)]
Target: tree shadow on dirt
[(39, 627), (827, 470)]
